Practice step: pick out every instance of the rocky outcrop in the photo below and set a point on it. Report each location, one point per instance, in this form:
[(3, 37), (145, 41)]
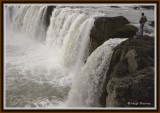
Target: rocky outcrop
[(151, 23), (147, 6), (110, 27), (135, 90), (131, 74)]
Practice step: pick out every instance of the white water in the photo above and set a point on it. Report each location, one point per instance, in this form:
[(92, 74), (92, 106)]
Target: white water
[(46, 68), (41, 74), (30, 21), (87, 86), (69, 31)]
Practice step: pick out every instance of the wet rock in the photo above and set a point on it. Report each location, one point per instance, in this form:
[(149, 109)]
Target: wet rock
[(49, 14)]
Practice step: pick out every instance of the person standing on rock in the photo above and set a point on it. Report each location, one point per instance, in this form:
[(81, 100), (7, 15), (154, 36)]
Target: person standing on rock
[(142, 22)]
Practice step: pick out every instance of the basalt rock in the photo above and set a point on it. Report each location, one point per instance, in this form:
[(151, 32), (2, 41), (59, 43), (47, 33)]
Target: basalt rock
[(110, 27), (134, 90), (131, 74)]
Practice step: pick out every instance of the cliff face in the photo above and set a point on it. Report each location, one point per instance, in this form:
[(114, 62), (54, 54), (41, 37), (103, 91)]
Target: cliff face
[(110, 27), (131, 74)]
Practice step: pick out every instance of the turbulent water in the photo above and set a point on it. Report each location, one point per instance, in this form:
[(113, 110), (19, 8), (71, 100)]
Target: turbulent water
[(87, 87), (51, 67)]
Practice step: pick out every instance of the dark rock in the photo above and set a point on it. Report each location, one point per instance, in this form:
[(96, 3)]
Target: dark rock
[(48, 14), (121, 69), (152, 23), (131, 74), (143, 46), (136, 7), (109, 27), (132, 91), (115, 6), (124, 31), (117, 89), (147, 7)]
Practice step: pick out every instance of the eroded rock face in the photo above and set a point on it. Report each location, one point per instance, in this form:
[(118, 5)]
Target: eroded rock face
[(142, 48), (131, 74), (117, 89), (135, 90), (110, 27)]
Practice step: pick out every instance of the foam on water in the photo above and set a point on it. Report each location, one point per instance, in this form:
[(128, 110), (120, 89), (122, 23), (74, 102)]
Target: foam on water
[(87, 86), (40, 74), (33, 76)]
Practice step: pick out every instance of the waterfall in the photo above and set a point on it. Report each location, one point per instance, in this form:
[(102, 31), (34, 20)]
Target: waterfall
[(12, 11), (19, 17), (69, 31), (60, 23), (30, 20), (8, 16), (54, 73), (87, 86)]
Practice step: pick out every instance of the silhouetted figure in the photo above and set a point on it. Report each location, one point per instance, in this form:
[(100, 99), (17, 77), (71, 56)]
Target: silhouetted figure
[(142, 22)]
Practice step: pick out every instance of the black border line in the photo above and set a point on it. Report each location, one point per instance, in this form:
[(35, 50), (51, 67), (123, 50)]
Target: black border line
[(157, 30), (80, 110)]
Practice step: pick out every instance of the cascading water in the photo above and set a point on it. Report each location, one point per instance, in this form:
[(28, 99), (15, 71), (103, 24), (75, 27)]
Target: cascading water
[(87, 86), (52, 73), (69, 32), (30, 21), (41, 74)]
